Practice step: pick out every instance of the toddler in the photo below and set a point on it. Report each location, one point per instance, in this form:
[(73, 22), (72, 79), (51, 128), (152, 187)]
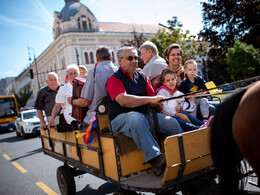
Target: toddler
[(193, 83)]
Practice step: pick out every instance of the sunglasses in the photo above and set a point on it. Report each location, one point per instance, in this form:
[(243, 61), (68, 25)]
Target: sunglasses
[(130, 58)]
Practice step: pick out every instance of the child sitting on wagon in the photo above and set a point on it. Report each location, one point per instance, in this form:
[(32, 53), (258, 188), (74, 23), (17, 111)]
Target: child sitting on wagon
[(193, 83), (167, 88)]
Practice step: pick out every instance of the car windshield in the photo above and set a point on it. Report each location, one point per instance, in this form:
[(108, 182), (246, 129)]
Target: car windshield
[(7, 108), (30, 115)]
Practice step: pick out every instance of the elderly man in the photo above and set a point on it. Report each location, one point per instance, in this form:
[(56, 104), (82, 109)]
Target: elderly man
[(46, 98), (154, 63), (94, 88), (130, 92), (61, 103)]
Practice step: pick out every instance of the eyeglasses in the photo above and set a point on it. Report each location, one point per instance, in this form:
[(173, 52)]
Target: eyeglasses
[(130, 58), (73, 73)]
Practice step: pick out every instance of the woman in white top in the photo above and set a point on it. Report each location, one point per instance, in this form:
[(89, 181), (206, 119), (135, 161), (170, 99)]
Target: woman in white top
[(61, 99)]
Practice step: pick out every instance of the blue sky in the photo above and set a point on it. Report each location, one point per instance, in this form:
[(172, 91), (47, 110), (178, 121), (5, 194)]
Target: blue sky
[(26, 23)]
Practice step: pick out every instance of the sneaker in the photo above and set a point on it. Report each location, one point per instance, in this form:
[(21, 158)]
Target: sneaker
[(208, 123), (158, 161)]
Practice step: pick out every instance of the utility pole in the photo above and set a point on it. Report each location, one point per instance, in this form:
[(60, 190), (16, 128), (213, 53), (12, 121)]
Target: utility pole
[(34, 58)]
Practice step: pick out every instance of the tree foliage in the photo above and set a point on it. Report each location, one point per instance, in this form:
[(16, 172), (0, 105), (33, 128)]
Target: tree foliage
[(137, 41), (22, 96), (243, 61), (225, 21), (173, 33)]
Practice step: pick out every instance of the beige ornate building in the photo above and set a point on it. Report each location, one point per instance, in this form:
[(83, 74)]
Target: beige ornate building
[(77, 35)]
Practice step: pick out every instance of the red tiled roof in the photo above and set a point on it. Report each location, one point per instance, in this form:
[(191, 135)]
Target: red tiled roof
[(122, 27)]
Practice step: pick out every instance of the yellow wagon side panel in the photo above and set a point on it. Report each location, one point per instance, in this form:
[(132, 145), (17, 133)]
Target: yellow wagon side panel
[(109, 158), (198, 164), (196, 143), (132, 162), (173, 158), (90, 158)]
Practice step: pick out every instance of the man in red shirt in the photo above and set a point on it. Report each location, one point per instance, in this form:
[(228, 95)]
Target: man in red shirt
[(130, 92)]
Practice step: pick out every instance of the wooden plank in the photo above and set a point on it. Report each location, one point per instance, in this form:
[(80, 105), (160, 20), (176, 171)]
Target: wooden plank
[(198, 164), (196, 143), (172, 150), (109, 157), (90, 158), (170, 173), (173, 158), (133, 162)]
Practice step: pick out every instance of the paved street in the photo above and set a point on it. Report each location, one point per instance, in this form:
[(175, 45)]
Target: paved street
[(26, 170)]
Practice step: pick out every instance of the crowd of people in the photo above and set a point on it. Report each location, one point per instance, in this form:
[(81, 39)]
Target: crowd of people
[(131, 93)]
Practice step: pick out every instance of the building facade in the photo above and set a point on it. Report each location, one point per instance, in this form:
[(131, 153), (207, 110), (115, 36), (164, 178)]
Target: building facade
[(77, 34)]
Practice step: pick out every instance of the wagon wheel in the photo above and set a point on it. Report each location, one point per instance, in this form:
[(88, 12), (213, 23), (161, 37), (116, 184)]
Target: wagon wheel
[(65, 179)]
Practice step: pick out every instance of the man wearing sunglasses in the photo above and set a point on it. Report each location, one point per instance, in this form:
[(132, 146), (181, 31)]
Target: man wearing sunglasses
[(130, 92), (154, 63)]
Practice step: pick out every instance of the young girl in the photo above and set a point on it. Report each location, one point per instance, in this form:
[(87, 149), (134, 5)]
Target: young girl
[(167, 88)]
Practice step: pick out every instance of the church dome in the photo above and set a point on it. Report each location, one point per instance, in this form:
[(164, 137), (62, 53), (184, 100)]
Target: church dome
[(71, 9)]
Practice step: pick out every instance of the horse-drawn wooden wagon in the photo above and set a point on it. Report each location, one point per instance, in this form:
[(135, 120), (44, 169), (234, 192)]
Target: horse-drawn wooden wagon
[(116, 158)]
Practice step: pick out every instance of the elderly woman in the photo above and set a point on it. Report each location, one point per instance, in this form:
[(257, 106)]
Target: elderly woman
[(67, 122)]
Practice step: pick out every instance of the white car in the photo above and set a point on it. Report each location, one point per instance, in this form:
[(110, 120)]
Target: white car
[(27, 122)]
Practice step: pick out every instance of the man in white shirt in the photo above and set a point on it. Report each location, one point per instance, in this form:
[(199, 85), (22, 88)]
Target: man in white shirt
[(61, 98), (154, 63)]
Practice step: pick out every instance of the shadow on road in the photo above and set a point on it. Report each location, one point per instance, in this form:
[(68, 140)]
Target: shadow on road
[(17, 139), (28, 154), (106, 188)]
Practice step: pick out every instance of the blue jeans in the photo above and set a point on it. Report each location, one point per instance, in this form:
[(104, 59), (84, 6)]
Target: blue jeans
[(135, 125), (195, 123)]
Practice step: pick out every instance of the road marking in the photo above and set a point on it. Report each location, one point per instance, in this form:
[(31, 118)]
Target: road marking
[(6, 157), (45, 188), (19, 167)]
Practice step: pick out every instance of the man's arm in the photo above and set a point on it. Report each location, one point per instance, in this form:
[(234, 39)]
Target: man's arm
[(54, 112), (82, 102), (41, 117), (126, 100)]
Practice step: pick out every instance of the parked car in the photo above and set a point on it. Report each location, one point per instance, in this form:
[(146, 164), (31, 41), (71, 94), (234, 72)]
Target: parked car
[(27, 122)]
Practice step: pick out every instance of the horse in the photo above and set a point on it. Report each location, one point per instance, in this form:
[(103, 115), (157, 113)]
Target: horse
[(235, 138)]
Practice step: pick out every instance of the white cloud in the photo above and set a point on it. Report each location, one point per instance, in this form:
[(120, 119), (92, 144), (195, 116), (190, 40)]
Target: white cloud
[(43, 12), (15, 22)]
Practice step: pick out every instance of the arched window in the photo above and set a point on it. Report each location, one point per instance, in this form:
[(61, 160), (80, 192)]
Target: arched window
[(113, 57), (84, 22), (89, 24), (86, 58), (79, 23), (91, 58)]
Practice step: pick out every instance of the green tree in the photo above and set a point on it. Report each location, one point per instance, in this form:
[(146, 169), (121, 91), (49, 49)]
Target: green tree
[(173, 33), (243, 61), (224, 22), (22, 96), (137, 41)]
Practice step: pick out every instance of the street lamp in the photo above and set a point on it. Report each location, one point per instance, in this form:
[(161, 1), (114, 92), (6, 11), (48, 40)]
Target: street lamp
[(31, 49)]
